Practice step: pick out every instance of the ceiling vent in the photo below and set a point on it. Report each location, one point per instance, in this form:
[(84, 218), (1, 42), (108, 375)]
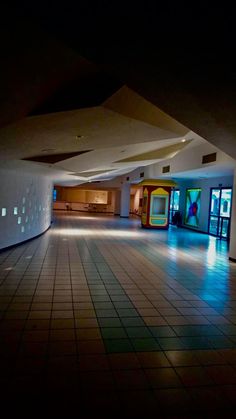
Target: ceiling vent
[(209, 158), (166, 169)]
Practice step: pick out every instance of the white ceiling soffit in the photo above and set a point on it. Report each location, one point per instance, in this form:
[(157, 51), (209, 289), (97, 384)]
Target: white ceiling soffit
[(205, 172), (129, 103), (78, 130), (126, 126)]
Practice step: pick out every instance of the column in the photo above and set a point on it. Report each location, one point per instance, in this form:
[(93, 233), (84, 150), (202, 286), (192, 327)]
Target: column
[(117, 199), (232, 245), (125, 200)]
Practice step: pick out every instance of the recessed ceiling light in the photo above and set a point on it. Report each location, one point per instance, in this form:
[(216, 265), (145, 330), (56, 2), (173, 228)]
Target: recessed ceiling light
[(183, 140)]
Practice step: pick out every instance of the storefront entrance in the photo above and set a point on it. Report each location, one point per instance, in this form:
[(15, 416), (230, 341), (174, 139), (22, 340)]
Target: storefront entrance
[(220, 212)]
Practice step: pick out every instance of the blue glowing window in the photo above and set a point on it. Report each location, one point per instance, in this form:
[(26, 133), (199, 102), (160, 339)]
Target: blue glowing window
[(54, 195)]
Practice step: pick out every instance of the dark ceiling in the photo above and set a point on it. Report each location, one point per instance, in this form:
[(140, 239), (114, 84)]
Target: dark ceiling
[(179, 57)]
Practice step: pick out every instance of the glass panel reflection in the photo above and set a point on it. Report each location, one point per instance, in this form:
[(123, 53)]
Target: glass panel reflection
[(215, 201), (158, 206), (225, 227), (213, 228), (225, 202)]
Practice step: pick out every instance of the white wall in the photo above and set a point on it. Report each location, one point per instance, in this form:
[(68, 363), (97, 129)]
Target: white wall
[(205, 185), (32, 196), (137, 196)]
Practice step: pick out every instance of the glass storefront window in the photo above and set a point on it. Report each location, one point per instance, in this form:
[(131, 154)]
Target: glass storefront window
[(213, 227), (225, 202), (158, 206), (225, 227), (215, 201), (220, 211)]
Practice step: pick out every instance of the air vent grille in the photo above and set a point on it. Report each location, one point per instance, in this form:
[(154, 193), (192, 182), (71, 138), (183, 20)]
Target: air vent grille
[(209, 158), (165, 169)]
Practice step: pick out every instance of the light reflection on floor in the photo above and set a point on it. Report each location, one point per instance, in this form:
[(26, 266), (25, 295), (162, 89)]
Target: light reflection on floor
[(100, 315)]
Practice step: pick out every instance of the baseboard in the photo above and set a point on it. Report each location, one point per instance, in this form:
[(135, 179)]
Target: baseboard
[(3, 249)]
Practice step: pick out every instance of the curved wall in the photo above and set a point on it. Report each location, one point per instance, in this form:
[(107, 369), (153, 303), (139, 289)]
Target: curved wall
[(25, 206)]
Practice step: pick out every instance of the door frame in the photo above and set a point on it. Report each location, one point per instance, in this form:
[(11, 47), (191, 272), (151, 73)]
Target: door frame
[(219, 217)]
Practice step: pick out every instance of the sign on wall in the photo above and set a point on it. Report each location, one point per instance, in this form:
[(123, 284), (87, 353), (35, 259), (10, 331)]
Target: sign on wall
[(192, 208)]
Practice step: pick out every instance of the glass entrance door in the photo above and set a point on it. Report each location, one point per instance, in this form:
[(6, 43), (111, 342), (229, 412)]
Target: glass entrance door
[(220, 211), (174, 204)]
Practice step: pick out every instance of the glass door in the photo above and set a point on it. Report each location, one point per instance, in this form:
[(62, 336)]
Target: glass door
[(220, 212), (174, 204)]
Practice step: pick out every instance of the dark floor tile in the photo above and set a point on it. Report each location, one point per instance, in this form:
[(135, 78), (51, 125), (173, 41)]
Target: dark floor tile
[(228, 329), (163, 378), (145, 344), (196, 330), (194, 376), (138, 404), (91, 347), (113, 333), (106, 313), (174, 401), (153, 359), (196, 342), (218, 342), (182, 358), (132, 321), (96, 380), (168, 344), (33, 349), (127, 312), (229, 355), (209, 402), (130, 379), (123, 361), (109, 322), (118, 345), (222, 374), (97, 362), (162, 331), (138, 332)]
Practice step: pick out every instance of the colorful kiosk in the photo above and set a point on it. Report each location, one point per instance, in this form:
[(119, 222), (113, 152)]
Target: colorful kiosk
[(156, 203)]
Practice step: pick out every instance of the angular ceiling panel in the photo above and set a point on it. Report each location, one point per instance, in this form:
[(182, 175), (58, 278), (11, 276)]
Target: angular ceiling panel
[(55, 158), (93, 173), (128, 103), (161, 153)]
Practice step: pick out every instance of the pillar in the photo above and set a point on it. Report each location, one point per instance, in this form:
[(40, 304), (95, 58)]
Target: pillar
[(117, 198), (125, 200), (232, 246)]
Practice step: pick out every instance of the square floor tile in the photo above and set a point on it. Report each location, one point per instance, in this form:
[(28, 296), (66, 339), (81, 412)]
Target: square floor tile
[(145, 344), (168, 344), (109, 322), (153, 359), (162, 331), (132, 321), (163, 378), (138, 332), (113, 332), (118, 345)]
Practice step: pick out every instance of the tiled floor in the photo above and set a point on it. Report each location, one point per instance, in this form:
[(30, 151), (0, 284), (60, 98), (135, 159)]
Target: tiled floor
[(99, 315)]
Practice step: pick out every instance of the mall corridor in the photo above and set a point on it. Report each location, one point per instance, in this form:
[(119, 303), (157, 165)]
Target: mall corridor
[(101, 316)]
